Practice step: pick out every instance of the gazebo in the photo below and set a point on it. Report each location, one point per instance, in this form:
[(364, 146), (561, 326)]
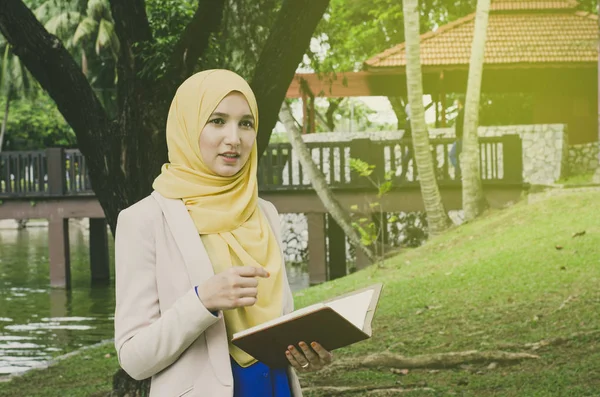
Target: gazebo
[(546, 48)]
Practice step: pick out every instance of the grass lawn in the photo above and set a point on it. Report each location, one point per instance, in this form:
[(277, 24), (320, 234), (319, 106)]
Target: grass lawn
[(514, 277)]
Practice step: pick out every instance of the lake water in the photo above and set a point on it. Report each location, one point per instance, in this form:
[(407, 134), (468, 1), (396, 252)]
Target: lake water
[(38, 322)]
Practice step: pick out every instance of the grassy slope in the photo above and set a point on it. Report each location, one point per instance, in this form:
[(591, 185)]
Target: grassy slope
[(482, 286)]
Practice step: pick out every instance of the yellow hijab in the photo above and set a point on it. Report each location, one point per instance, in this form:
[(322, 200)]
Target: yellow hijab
[(224, 209)]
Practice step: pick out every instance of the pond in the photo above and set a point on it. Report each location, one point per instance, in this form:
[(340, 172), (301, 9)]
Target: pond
[(38, 322)]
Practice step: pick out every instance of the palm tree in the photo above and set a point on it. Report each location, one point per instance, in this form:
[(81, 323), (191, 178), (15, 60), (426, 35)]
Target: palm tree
[(89, 36), (15, 82), (473, 199), (437, 218)]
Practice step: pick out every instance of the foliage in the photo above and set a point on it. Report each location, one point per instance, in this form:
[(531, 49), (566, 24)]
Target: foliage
[(86, 28), (352, 31), (37, 124), (370, 234), (244, 30)]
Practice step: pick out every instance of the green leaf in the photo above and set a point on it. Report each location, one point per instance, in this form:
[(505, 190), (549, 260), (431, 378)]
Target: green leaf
[(389, 175), (98, 10), (384, 188), (61, 24), (373, 205), (86, 28), (354, 207), (107, 37)]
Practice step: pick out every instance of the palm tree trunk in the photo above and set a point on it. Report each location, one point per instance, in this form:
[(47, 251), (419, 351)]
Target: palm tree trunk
[(5, 120), (473, 199), (437, 217), (317, 179), (596, 178)]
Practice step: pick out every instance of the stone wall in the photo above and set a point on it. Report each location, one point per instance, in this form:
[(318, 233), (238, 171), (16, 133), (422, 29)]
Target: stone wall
[(583, 159), (545, 149)]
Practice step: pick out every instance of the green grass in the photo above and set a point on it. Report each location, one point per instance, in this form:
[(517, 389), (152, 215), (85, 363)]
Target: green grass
[(497, 282), (88, 373), (577, 179)]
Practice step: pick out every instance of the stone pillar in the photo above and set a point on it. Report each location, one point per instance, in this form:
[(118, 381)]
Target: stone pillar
[(337, 249), (58, 247), (317, 254), (99, 260)]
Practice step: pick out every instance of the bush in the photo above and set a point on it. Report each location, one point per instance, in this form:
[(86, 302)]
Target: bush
[(36, 124)]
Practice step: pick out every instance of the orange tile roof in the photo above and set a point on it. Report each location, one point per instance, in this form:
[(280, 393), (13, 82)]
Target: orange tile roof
[(560, 36)]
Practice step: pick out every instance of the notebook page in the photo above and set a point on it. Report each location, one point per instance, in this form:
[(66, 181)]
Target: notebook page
[(354, 308)]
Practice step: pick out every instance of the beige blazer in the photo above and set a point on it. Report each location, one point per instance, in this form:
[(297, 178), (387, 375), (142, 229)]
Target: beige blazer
[(162, 329)]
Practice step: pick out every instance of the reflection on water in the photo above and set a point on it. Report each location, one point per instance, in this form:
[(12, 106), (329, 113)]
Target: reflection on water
[(37, 322)]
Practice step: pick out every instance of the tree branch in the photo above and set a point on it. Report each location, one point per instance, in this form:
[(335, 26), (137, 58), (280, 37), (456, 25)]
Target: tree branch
[(194, 40), (54, 68), (288, 40)]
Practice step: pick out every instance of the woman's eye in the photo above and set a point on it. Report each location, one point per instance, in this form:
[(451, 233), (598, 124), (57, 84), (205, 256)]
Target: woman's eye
[(217, 121), (247, 124)]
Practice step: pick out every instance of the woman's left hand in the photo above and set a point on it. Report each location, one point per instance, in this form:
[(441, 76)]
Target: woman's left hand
[(308, 358)]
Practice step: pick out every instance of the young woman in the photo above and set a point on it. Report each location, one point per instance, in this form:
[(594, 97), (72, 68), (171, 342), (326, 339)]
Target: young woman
[(200, 258)]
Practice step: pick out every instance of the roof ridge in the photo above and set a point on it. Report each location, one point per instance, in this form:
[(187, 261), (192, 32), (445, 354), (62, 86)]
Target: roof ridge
[(520, 5), (586, 14), (423, 37)]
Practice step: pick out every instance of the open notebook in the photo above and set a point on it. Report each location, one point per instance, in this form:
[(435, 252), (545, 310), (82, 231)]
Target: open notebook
[(335, 323)]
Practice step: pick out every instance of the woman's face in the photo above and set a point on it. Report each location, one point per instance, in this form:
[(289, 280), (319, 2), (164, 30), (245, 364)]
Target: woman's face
[(227, 138)]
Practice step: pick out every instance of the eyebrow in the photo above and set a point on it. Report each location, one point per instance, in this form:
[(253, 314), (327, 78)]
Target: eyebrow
[(225, 115)]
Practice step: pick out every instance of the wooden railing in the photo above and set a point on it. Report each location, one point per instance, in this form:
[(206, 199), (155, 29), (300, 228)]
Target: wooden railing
[(63, 172)]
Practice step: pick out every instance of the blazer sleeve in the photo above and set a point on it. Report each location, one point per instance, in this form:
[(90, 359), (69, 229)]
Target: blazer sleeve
[(146, 339)]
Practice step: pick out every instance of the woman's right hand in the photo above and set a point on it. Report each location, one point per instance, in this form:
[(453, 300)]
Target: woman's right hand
[(233, 288)]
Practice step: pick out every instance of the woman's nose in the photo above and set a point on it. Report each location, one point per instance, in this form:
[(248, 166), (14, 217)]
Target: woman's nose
[(233, 135)]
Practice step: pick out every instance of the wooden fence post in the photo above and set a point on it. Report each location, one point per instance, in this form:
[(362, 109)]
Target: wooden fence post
[(56, 171), (512, 154)]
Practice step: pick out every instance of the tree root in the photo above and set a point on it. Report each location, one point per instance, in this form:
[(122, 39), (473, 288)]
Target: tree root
[(431, 361), (364, 390), (444, 360), (556, 341)]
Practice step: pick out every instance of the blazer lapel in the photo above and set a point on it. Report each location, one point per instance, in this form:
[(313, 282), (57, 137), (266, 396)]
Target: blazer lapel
[(187, 238), (199, 270)]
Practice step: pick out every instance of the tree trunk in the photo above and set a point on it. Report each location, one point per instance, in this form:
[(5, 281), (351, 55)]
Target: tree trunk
[(288, 40), (398, 109), (472, 192), (334, 104), (5, 119), (318, 182), (437, 217)]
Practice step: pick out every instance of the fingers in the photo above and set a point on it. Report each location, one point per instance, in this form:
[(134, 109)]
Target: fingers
[(243, 302), (293, 361), (297, 359), (324, 355), (244, 282), (250, 271), (310, 355)]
